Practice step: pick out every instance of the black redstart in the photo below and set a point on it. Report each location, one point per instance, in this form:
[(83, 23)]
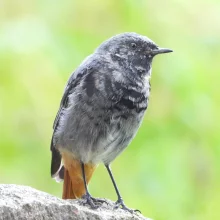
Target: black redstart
[(101, 110)]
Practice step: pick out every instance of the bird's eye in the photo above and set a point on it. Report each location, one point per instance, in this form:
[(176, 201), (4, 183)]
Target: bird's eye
[(133, 45)]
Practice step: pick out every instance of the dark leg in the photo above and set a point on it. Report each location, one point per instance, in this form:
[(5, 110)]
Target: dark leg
[(120, 201), (89, 199), (87, 196)]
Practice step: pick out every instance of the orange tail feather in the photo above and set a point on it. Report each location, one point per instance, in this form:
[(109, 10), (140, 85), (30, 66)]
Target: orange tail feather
[(73, 185), (67, 187)]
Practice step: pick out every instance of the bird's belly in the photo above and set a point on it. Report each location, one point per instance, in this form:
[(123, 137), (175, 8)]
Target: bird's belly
[(117, 138), (95, 140)]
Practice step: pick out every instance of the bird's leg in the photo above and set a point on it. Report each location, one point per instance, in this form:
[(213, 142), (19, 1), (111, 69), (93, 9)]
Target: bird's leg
[(89, 199), (87, 196), (119, 202)]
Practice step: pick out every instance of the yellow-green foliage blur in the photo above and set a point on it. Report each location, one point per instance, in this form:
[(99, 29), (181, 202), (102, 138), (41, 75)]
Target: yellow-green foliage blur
[(171, 170)]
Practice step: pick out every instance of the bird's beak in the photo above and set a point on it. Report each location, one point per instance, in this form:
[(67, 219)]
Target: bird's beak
[(160, 50)]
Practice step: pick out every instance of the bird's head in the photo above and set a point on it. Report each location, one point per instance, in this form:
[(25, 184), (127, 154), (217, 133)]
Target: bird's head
[(133, 52)]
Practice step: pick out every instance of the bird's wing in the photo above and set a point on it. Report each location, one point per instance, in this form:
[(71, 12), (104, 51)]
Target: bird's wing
[(64, 100), (56, 157)]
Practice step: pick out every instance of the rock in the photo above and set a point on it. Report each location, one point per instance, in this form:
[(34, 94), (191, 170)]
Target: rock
[(26, 203)]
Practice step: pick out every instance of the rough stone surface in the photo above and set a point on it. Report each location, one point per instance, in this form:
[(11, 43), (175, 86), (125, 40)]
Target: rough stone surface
[(26, 203)]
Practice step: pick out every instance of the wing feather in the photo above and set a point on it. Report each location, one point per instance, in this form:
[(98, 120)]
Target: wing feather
[(73, 81)]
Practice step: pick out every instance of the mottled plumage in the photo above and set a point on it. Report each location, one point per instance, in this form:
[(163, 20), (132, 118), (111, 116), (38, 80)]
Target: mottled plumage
[(104, 101)]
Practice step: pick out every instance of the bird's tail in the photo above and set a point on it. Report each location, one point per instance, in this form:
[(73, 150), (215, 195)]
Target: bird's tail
[(73, 185)]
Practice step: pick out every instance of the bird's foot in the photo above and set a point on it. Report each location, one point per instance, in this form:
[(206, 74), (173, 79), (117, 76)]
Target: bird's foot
[(89, 201), (120, 203), (98, 201), (94, 203)]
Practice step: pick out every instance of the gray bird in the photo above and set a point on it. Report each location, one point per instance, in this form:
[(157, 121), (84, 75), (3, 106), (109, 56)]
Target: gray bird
[(100, 112)]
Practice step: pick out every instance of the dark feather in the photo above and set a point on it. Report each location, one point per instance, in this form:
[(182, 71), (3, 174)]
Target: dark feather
[(56, 161), (56, 157)]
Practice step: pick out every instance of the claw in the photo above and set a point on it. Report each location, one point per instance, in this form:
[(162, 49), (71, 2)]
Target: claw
[(120, 202), (137, 210), (92, 202), (89, 201), (96, 200)]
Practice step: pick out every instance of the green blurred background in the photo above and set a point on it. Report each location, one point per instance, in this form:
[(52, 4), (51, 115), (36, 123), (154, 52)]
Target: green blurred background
[(172, 168)]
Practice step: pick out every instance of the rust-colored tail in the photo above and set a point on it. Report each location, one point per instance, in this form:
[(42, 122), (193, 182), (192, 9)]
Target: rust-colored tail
[(67, 187), (73, 185)]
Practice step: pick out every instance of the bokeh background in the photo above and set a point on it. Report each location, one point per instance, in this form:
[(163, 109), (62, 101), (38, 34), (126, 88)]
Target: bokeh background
[(171, 170)]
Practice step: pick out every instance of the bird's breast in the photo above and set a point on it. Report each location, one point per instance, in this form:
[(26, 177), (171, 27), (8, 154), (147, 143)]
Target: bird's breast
[(133, 100)]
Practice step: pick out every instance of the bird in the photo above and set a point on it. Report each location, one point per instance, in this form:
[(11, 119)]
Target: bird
[(101, 111)]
